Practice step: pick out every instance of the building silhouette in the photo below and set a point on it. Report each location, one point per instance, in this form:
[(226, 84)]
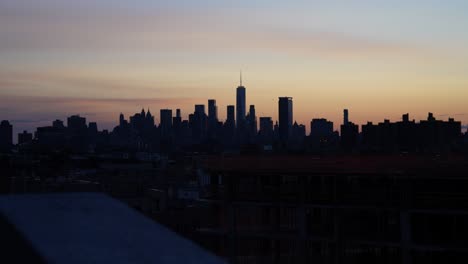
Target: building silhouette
[(240, 106), (349, 133), (6, 135), (285, 110), (345, 116), (429, 135), (367, 209), (165, 125), (252, 121), (204, 132), (212, 111), (25, 138), (199, 123)]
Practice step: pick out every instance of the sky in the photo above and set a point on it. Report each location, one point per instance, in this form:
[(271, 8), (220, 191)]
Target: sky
[(97, 58)]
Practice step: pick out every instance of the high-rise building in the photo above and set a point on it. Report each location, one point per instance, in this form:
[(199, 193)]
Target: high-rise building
[(6, 135), (265, 134), (345, 116), (149, 119), (285, 110), (230, 114), (199, 123), (58, 124), (166, 122), (24, 137), (240, 104), (230, 124), (266, 125), (212, 111), (252, 120), (349, 133), (76, 123), (121, 120), (321, 128), (200, 109), (176, 122)]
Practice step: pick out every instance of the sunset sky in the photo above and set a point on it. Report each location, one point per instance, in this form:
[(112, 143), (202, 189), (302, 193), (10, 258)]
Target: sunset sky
[(97, 58)]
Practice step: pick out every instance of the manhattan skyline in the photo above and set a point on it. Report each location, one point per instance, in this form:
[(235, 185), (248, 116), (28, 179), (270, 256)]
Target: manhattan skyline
[(98, 59)]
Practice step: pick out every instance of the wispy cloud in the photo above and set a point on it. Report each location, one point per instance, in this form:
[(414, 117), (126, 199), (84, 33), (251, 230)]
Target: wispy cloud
[(172, 29)]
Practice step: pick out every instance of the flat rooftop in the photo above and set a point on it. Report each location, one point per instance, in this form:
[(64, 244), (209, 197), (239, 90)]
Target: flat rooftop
[(93, 228)]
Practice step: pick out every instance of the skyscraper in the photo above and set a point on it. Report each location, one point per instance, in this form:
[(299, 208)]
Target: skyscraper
[(121, 120), (6, 135), (240, 104), (349, 133), (266, 125), (212, 111), (345, 117), (285, 110), (230, 124), (177, 121), (76, 123), (24, 137), (230, 114), (252, 120), (200, 109), (166, 122), (321, 128), (199, 123), (58, 124)]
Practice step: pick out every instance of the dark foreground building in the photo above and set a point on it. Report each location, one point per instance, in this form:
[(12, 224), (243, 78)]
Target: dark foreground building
[(69, 228), (388, 209)]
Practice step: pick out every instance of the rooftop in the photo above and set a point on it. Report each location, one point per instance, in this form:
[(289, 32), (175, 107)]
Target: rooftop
[(94, 228)]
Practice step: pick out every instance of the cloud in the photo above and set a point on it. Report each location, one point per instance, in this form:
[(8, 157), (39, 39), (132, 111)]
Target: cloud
[(176, 29), (73, 83)]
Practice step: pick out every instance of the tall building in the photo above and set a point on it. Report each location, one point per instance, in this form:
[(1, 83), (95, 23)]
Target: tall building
[(252, 120), (149, 119), (229, 125), (58, 124), (266, 125), (200, 109), (76, 123), (165, 116), (285, 110), (230, 116), (166, 122), (199, 123), (177, 122), (349, 133), (24, 137), (321, 128), (6, 135), (345, 116), (322, 137), (121, 120), (240, 104), (212, 111)]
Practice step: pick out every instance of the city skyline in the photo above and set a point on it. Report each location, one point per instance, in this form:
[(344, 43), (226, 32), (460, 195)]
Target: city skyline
[(30, 125), (378, 59)]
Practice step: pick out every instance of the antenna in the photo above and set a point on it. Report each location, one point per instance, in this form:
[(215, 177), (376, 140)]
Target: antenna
[(240, 77)]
